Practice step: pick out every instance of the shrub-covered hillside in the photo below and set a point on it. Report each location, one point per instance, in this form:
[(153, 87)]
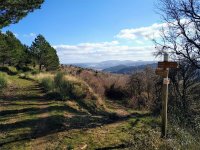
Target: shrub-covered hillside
[(61, 110)]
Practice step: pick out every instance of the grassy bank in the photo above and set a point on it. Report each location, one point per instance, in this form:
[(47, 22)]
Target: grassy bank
[(31, 120)]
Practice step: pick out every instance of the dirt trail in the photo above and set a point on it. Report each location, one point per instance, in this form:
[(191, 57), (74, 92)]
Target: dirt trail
[(30, 120)]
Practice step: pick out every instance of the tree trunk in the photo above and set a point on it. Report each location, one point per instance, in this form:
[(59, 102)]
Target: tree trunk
[(40, 67)]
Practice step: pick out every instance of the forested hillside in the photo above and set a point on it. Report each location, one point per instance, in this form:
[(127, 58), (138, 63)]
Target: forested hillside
[(39, 54)]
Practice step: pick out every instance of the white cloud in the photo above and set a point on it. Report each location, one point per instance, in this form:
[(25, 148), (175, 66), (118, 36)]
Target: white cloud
[(138, 47), (30, 35), (140, 42), (144, 33), (94, 52), (16, 35)]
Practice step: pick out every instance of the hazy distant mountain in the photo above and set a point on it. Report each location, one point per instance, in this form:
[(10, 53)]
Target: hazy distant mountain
[(112, 63), (115, 68), (128, 69)]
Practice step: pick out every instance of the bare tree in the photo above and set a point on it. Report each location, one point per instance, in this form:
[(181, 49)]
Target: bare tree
[(141, 87), (181, 31), (184, 91)]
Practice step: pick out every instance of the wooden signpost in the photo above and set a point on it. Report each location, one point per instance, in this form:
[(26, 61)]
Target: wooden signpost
[(163, 71), (167, 65)]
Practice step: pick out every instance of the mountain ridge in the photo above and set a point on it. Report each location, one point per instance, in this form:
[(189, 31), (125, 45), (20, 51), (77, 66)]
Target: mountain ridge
[(128, 69), (110, 63)]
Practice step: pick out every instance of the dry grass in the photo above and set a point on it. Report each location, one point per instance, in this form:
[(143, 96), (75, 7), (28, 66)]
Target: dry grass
[(41, 76), (92, 98), (29, 121), (97, 80)]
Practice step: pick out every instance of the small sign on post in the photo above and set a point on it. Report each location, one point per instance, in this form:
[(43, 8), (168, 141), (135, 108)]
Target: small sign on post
[(163, 71), (166, 81), (167, 65)]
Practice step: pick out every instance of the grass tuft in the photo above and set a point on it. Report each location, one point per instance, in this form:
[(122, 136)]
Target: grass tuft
[(3, 81), (47, 83)]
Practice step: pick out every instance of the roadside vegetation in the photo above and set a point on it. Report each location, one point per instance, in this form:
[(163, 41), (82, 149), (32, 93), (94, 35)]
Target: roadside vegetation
[(3, 81), (35, 114), (45, 105), (47, 124)]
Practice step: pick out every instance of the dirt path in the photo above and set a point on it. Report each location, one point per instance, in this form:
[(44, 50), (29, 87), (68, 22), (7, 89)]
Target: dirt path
[(30, 120)]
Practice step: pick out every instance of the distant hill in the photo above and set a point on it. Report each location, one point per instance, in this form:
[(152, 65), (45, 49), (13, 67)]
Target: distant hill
[(122, 69), (111, 63), (115, 68)]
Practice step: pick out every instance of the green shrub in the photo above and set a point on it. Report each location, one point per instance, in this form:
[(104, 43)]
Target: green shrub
[(94, 97), (70, 147), (22, 75), (24, 69), (58, 79), (65, 89), (47, 84), (34, 72), (3, 82), (25, 75), (68, 89), (13, 70), (9, 70), (115, 93), (79, 71), (78, 92)]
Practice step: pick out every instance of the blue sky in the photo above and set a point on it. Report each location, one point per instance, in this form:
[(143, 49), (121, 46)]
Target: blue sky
[(93, 30)]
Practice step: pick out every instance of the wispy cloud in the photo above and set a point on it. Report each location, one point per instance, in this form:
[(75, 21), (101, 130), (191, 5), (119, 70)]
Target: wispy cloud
[(139, 47), (30, 35), (142, 33), (94, 52), (16, 35)]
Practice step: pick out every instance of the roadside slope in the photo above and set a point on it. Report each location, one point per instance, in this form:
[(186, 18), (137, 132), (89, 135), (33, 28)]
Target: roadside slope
[(30, 120)]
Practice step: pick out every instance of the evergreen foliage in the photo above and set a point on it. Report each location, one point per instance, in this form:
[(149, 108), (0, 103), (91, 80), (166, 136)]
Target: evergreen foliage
[(43, 54), (15, 49), (3, 49), (14, 53), (11, 11)]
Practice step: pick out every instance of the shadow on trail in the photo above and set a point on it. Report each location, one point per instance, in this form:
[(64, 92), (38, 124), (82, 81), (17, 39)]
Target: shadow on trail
[(43, 126), (114, 147), (36, 110), (33, 93), (52, 124), (26, 104)]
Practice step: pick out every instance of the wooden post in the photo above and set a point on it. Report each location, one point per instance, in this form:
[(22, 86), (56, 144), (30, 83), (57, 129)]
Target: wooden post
[(165, 99), (163, 71)]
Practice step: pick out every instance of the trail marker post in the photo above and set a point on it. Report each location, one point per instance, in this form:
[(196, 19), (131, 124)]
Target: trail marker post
[(163, 71)]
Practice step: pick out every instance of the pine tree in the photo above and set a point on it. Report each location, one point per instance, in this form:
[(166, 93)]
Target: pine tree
[(4, 53), (52, 62), (11, 11), (12, 51), (15, 49), (27, 56), (44, 54)]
